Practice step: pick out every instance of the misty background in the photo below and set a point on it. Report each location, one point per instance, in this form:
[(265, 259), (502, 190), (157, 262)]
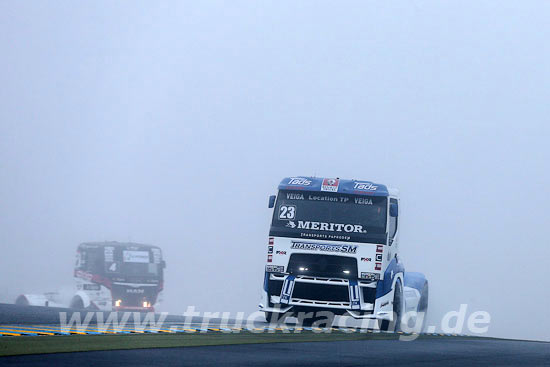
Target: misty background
[(172, 123)]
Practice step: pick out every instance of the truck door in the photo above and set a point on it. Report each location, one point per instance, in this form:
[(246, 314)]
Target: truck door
[(392, 231)]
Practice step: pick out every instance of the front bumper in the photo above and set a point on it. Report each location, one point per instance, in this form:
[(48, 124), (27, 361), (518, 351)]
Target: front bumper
[(357, 298)]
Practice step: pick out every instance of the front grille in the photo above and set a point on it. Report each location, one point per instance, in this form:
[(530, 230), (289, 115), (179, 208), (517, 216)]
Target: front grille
[(133, 297), (328, 266), (320, 292)]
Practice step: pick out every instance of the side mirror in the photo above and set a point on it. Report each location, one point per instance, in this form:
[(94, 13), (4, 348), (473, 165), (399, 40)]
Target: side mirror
[(393, 210), (271, 201)]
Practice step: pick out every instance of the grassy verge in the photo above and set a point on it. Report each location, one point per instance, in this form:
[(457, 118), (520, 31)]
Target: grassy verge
[(80, 343)]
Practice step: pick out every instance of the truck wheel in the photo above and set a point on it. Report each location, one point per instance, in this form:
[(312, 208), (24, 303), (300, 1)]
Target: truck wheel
[(77, 303), (22, 301), (423, 304), (395, 325)]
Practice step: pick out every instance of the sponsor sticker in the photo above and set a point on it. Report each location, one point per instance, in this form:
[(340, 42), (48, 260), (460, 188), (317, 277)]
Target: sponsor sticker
[(135, 256), (269, 249), (279, 252), (330, 184), (274, 269), (378, 266), (379, 248), (366, 259), (324, 226), (347, 249), (83, 275), (370, 276), (91, 287), (109, 253), (365, 186), (294, 196), (299, 181), (269, 258), (363, 201), (378, 257)]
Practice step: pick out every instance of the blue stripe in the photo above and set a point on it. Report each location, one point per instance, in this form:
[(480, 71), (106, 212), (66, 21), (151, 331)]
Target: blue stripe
[(385, 286)]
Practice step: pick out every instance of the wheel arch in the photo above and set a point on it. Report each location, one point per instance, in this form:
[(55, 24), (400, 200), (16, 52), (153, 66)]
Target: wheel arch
[(84, 297), (415, 280), (394, 272)]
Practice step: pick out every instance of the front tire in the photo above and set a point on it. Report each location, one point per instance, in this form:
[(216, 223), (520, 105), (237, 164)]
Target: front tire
[(395, 325), (22, 301), (423, 305), (77, 303)]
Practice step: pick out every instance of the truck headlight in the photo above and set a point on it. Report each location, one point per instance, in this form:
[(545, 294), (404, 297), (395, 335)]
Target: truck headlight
[(370, 276)]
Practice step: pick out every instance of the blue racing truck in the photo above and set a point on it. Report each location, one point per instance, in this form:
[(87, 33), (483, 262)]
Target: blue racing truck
[(334, 246)]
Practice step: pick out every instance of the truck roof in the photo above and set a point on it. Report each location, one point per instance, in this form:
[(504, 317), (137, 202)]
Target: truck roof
[(343, 186), (115, 244)]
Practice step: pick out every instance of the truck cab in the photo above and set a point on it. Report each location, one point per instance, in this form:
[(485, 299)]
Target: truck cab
[(334, 246), (118, 276)]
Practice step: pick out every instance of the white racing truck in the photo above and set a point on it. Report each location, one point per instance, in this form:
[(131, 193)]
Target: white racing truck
[(110, 276), (334, 246)]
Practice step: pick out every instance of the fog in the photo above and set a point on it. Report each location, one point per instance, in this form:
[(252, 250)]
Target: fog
[(171, 124)]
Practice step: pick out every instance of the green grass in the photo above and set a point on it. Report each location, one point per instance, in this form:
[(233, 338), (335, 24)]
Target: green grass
[(80, 343), (18, 345)]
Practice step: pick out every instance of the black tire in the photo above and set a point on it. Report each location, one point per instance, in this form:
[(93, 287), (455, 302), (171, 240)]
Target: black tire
[(22, 301), (423, 304), (395, 325), (77, 303), (424, 295)]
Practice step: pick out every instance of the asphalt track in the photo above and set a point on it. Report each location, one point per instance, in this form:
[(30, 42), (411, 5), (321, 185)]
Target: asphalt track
[(440, 351), (428, 352), (16, 314)]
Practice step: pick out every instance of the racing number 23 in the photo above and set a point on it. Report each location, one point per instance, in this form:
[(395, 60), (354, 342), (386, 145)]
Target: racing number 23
[(287, 212)]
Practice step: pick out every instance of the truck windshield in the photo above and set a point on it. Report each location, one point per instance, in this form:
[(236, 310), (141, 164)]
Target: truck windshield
[(132, 263), (139, 269), (330, 216)]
